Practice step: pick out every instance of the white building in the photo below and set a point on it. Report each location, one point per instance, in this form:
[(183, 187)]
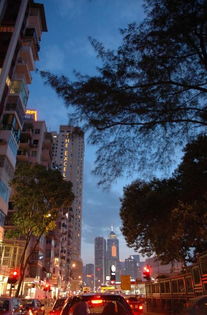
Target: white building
[(68, 157)]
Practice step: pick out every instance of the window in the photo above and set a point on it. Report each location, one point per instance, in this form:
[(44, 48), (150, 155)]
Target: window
[(203, 261), (34, 153), (35, 142), (189, 284), (196, 275), (37, 131)]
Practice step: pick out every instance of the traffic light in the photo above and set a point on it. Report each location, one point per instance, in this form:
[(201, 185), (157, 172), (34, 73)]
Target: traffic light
[(13, 276), (47, 287), (147, 272)]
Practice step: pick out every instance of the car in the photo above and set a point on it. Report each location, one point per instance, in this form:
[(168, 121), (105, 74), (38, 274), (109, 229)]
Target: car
[(32, 307), (197, 306), (97, 303), (10, 306), (57, 306), (136, 304)]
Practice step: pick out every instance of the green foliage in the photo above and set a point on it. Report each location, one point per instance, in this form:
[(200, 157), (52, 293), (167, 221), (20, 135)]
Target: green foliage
[(38, 196), (153, 87), (169, 217)]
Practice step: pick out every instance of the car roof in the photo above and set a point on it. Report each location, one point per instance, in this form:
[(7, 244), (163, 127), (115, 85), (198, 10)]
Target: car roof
[(101, 294), (8, 298), (198, 298)]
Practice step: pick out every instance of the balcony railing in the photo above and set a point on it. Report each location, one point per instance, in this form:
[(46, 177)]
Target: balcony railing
[(17, 108), (30, 33), (18, 87), (15, 132)]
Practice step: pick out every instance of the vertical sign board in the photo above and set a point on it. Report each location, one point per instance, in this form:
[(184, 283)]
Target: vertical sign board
[(125, 282)]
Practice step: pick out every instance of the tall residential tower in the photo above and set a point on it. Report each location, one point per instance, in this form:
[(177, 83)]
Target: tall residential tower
[(21, 25), (68, 157)]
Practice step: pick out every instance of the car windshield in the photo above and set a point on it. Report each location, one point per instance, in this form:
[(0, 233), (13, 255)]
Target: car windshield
[(58, 304), (4, 305)]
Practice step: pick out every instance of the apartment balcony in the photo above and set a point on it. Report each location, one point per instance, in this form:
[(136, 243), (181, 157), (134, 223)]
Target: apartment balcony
[(22, 68), (30, 39), (22, 155), (14, 106), (6, 170), (9, 144), (19, 88), (34, 21), (26, 54), (28, 128), (25, 145)]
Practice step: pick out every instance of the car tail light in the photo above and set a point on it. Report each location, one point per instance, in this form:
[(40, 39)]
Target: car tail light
[(99, 301)]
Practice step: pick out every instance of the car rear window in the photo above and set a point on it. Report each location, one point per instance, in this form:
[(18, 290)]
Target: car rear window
[(97, 306), (4, 305), (28, 302)]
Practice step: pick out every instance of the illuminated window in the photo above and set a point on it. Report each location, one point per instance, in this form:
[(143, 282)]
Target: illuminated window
[(113, 251)]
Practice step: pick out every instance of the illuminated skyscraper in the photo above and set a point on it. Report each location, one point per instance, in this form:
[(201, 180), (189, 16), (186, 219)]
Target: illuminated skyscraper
[(112, 252), (100, 261)]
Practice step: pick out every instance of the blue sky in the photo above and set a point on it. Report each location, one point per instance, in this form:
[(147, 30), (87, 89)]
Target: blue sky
[(64, 48)]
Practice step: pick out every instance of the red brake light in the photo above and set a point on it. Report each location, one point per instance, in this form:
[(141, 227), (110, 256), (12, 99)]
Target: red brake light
[(96, 301)]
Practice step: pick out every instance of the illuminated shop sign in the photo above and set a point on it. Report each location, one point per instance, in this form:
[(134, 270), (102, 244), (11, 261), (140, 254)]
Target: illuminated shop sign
[(65, 155)]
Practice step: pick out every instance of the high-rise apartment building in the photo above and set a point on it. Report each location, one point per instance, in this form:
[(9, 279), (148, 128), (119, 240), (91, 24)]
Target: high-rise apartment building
[(35, 147), (68, 157), (100, 261), (21, 25)]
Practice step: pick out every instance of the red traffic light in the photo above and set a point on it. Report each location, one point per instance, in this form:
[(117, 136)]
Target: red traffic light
[(47, 287), (13, 276), (147, 272)]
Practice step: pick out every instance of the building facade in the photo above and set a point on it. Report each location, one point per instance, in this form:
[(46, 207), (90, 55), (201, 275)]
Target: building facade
[(88, 276), (68, 157), (21, 25), (35, 147), (100, 262), (132, 267)]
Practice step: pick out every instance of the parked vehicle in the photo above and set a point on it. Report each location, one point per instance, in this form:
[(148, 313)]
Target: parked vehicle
[(136, 304), (93, 303), (33, 307), (10, 306), (197, 306), (57, 307)]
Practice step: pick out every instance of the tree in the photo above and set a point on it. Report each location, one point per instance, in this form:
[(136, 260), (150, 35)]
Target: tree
[(169, 217), (38, 196), (153, 87)]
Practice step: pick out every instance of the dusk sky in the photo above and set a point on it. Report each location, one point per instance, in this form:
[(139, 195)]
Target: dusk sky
[(64, 48)]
